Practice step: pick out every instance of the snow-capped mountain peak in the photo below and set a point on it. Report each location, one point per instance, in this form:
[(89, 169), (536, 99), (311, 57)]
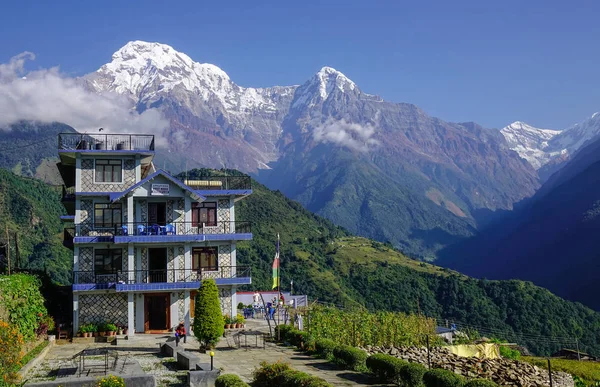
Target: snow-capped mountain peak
[(320, 86), (529, 142), (329, 78), (138, 65)]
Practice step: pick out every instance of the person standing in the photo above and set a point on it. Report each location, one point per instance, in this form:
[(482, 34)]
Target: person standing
[(179, 333)]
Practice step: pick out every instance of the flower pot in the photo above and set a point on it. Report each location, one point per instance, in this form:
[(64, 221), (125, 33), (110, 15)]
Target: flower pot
[(238, 325), (227, 326), (95, 334), (102, 334), (88, 334), (124, 331), (79, 334), (120, 332)]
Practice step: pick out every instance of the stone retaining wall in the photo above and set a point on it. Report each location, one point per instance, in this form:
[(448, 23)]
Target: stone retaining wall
[(504, 372)]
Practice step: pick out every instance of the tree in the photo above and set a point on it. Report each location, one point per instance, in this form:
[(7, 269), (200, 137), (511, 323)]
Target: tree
[(208, 321)]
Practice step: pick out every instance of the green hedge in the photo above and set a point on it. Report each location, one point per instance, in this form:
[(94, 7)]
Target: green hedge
[(350, 357), (293, 378), (412, 374), (324, 348), (281, 374), (442, 378), (480, 383), (230, 380), (284, 329), (386, 367)]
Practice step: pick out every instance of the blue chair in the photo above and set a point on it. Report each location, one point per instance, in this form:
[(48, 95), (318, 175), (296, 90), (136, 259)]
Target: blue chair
[(169, 229), (155, 229), (141, 229), (124, 230)]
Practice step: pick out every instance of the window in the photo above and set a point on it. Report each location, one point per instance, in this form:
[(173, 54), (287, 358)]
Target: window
[(107, 215), (107, 261), (205, 258), (204, 213), (108, 171)]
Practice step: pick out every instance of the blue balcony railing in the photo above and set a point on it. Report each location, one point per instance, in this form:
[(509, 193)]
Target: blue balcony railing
[(160, 276), (167, 229)]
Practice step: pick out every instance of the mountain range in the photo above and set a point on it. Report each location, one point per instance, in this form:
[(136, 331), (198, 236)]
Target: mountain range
[(383, 170)]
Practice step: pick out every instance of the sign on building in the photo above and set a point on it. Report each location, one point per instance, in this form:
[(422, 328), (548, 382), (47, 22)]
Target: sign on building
[(160, 189)]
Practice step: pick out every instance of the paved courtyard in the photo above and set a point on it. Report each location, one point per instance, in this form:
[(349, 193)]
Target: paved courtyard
[(141, 354)]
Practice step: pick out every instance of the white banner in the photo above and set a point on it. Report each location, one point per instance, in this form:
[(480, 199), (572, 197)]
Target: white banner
[(160, 189)]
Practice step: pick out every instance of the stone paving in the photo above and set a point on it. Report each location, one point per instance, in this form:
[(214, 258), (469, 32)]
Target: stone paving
[(144, 351)]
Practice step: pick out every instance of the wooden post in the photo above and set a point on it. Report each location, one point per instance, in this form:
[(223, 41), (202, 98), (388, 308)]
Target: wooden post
[(550, 371), (428, 353), (577, 344)]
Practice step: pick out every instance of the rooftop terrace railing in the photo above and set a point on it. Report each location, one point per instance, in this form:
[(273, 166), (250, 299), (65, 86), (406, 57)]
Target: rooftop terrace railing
[(100, 142), (241, 182)]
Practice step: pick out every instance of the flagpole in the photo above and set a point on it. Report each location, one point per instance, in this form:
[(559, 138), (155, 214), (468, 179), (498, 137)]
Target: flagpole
[(278, 290)]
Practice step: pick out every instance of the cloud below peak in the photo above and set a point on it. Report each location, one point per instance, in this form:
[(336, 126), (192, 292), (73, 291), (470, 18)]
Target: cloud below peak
[(354, 136)]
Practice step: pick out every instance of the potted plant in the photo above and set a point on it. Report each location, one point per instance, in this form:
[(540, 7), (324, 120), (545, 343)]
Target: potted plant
[(227, 320), (119, 330), (112, 329), (239, 321), (102, 329), (94, 329), (81, 332)]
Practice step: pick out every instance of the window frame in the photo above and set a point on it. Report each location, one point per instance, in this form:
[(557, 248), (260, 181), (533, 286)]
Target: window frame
[(108, 164), (199, 266), (110, 207), (196, 209), (109, 253)]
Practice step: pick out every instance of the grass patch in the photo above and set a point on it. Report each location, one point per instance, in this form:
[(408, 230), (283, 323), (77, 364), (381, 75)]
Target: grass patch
[(33, 353), (588, 371)]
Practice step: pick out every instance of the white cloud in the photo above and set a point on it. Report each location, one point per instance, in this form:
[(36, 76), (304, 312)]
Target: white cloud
[(47, 95), (351, 135)]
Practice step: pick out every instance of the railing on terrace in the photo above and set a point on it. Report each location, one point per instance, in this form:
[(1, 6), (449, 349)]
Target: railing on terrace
[(220, 183), (73, 141), (172, 228), (160, 276)]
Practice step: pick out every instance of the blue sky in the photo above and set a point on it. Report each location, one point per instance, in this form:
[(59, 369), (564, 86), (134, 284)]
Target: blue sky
[(492, 62)]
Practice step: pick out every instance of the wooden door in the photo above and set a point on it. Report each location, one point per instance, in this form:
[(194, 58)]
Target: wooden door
[(157, 312)]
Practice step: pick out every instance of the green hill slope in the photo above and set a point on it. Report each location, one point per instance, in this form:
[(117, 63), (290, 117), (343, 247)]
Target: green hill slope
[(31, 210), (329, 264)]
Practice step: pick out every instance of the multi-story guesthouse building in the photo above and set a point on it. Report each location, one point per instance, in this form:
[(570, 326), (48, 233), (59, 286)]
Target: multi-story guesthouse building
[(142, 240)]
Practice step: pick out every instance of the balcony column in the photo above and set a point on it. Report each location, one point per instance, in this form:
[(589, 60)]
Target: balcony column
[(130, 220), (186, 310), (75, 314), (130, 315), (187, 262), (77, 176), (231, 215), (233, 260), (130, 263)]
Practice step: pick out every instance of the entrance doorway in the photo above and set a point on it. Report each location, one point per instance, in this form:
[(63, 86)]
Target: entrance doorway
[(157, 265), (156, 312), (157, 213)]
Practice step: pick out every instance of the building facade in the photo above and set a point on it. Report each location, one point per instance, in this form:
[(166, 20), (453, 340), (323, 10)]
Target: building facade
[(143, 240)]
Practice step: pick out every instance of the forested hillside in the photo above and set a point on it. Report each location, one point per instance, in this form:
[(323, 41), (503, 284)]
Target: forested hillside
[(29, 149), (328, 264), (30, 210)]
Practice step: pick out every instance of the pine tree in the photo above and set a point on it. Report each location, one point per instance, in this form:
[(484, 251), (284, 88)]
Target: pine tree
[(208, 320)]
